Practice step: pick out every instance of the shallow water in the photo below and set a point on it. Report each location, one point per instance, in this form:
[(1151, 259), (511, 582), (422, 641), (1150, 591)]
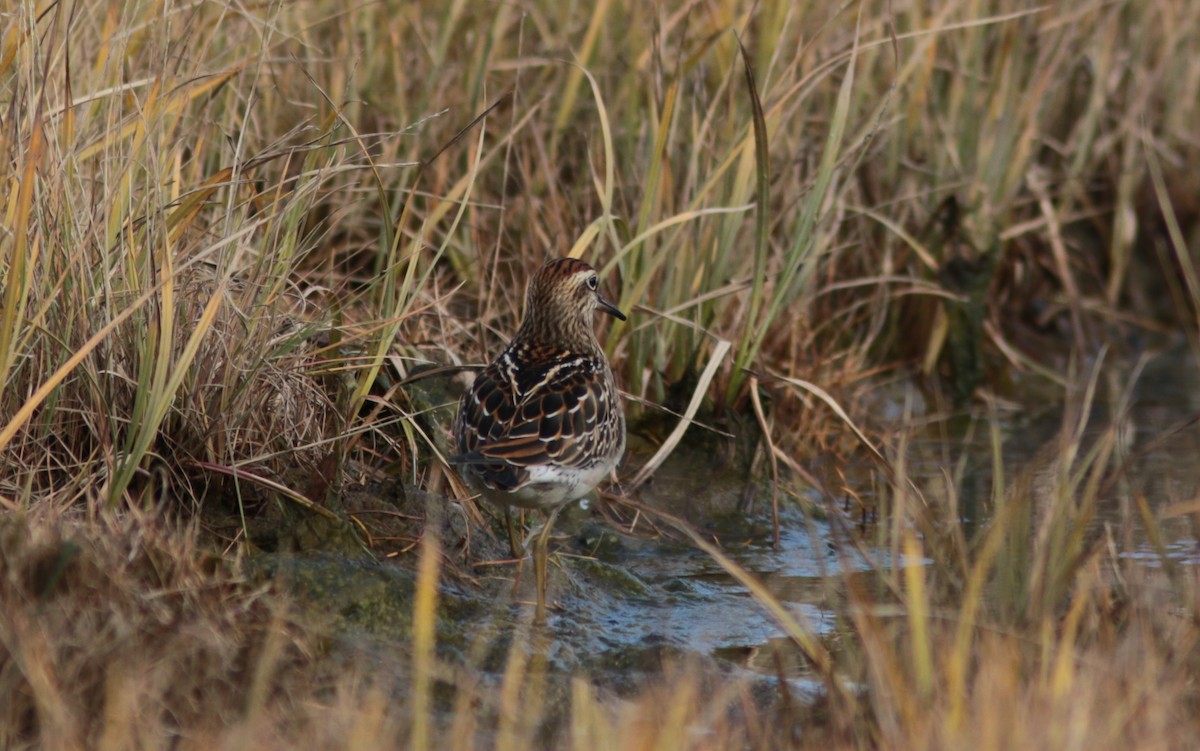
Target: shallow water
[(1153, 407), (628, 605)]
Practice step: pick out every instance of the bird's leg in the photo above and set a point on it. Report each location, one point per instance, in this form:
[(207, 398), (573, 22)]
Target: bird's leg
[(540, 555), (517, 552)]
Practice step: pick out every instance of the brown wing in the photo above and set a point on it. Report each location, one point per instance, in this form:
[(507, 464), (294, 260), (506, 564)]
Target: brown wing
[(508, 422)]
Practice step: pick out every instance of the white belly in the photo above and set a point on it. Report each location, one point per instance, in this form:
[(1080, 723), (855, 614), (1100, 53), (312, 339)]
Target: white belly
[(551, 486)]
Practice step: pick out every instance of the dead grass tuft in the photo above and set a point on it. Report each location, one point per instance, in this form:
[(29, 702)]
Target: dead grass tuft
[(124, 632)]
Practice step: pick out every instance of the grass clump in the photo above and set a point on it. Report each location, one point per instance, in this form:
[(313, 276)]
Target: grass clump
[(120, 633), (1042, 629)]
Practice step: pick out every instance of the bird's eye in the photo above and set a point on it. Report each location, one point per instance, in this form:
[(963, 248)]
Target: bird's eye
[(592, 282)]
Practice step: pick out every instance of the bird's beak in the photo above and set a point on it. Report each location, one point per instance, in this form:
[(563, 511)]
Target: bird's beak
[(608, 306)]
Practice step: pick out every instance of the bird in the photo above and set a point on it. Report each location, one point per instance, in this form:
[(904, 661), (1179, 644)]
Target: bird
[(542, 424)]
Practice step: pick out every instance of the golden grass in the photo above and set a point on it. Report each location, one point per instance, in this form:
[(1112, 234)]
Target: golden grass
[(224, 230)]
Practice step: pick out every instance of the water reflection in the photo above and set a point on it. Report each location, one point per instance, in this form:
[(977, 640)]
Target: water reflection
[(1147, 412)]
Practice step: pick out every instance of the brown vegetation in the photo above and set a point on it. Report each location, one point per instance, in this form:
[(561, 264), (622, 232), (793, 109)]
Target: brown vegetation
[(227, 232)]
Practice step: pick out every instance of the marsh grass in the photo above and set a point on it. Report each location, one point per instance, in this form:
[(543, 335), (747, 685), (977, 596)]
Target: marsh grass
[(225, 230)]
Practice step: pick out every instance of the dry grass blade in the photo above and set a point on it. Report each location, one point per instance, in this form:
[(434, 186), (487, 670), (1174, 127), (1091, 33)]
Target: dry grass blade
[(19, 276), (424, 621), (917, 600)]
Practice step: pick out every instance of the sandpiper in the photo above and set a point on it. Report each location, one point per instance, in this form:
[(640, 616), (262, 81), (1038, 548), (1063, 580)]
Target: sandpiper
[(542, 424)]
